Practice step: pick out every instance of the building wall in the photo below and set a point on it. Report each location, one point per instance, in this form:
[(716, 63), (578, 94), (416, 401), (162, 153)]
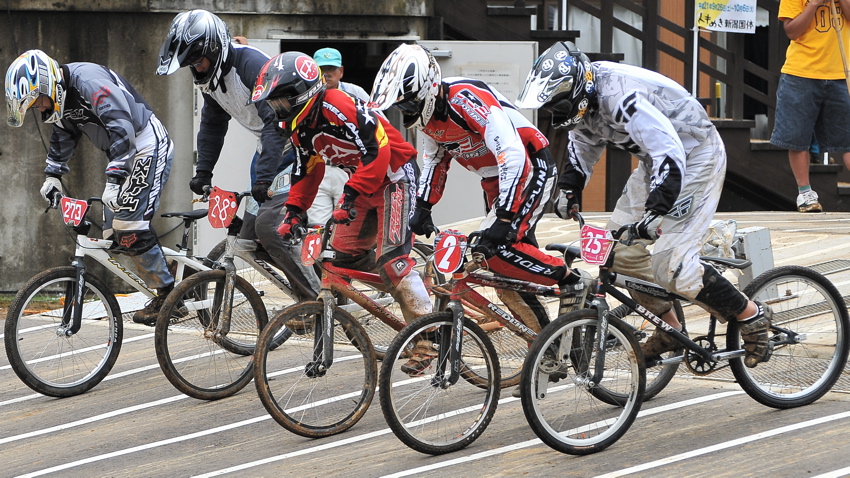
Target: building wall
[(126, 35)]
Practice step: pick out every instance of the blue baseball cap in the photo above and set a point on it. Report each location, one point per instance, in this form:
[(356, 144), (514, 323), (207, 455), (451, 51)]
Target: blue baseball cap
[(328, 57)]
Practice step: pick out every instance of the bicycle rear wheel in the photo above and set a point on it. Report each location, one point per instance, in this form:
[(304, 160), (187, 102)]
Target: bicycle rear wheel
[(657, 376), (42, 354), (560, 401), (810, 333), (296, 392), (193, 352), (424, 411)]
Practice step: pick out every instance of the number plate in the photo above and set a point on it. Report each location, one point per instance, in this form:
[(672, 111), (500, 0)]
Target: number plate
[(311, 247), (73, 211), (596, 245), (449, 248), (223, 208)]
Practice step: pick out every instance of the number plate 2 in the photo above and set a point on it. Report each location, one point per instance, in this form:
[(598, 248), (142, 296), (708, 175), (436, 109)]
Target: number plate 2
[(73, 211), (449, 248), (596, 245)]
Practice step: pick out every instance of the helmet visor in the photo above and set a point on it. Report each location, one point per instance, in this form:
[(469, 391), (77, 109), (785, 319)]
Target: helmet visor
[(563, 106), (282, 108), (410, 106)]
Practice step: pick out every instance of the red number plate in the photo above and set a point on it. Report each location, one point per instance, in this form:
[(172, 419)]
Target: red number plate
[(73, 211), (596, 245), (449, 248), (311, 247), (223, 208)]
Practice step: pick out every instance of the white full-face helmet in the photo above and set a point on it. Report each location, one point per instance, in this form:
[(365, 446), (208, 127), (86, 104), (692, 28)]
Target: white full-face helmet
[(194, 35), (31, 75), (410, 80)]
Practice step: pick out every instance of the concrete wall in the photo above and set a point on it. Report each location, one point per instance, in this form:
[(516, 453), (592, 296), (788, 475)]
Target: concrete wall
[(126, 36)]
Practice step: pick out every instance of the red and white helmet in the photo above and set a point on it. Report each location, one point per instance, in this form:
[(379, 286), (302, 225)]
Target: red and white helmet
[(290, 83), (410, 80)]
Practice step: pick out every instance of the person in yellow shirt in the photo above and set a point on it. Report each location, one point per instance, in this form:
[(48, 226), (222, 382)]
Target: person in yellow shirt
[(812, 98)]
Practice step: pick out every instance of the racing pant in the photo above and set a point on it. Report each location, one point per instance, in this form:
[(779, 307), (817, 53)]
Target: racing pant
[(263, 225), (674, 262), (523, 259), (130, 226), (382, 221)]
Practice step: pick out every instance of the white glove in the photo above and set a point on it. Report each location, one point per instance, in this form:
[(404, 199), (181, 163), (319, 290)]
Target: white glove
[(648, 226), (564, 204), (110, 196), (50, 183)]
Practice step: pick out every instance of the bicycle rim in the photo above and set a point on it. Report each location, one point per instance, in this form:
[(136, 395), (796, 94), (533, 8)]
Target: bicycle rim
[(800, 370), (43, 356), (194, 354), (297, 394), (561, 405), (426, 413)]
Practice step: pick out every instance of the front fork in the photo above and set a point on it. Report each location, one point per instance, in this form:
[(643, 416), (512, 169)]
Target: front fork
[(323, 337), (75, 304), (449, 348)]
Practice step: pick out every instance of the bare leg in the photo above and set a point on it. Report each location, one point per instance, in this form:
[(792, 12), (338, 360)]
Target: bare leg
[(800, 166)]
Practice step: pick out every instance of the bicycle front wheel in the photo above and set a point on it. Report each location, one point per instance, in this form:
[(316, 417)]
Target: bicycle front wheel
[(560, 399), (426, 411), (196, 355), (298, 391), (810, 334), (40, 348)]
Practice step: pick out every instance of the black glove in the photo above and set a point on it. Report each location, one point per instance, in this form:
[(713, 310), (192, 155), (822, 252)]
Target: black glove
[(499, 233), (565, 202), (345, 212), (647, 227), (421, 222), (201, 179), (260, 191)]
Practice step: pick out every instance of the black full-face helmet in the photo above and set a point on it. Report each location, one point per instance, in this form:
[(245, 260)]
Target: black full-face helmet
[(195, 35), (291, 84), (563, 82)]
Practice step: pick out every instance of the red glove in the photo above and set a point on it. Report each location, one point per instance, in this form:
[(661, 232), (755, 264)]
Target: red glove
[(345, 212), (292, 226)]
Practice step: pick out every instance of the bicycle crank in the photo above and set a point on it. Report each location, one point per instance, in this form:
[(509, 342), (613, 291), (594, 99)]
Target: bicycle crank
[(695, 362)]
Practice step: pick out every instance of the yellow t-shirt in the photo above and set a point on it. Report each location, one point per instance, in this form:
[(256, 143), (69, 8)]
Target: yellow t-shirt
[(815, 54)]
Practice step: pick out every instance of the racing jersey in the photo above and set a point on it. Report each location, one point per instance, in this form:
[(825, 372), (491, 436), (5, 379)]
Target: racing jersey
[(646, 114), (105, 107), (229, 100), (345, 134), (487, 135)]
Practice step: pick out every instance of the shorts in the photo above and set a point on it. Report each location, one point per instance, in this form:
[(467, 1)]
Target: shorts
[(807, 107)]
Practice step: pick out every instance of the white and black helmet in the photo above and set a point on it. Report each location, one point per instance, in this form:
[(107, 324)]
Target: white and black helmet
[(563, 82), (410, 80), (194, 35), (31, 75)]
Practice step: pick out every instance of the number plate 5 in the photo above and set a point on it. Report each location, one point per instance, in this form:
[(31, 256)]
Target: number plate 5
[(311, 247)]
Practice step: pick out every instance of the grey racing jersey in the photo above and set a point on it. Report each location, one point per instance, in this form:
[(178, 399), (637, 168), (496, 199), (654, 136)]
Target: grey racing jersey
[(646, 114), (231, 100), (105, 107)]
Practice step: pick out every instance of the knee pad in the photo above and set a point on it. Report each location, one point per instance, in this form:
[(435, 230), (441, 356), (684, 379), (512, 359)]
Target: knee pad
[(133, 243), (394, 270), (719, 295)]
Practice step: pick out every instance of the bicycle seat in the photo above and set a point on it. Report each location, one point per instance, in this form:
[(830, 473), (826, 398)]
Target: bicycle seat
[(193, 215), (728, 261)]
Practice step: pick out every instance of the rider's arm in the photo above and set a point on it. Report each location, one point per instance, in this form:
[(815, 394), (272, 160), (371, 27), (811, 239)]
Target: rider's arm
[(504, 142), (374, 144), (653, 132), (582, 155), (62, 145), (307, 173), (435, 167), (211, 132)]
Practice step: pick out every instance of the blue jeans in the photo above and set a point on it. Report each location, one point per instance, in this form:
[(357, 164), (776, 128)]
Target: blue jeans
[(804, 107)]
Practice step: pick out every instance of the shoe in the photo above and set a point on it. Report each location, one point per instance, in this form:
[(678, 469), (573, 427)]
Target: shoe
[(572, 296), (422, 355), (808, 202), (756, 335), (658, 343), (147, 316)]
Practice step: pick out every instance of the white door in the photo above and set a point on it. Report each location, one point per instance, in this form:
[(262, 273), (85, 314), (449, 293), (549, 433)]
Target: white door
[(502, 65)]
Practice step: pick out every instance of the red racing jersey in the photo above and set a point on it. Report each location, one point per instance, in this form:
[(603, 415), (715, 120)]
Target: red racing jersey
[(344, 133), (486, 134)]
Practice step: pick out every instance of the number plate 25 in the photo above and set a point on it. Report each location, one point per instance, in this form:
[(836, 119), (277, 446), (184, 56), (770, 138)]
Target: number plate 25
[(449, 248), (73, 211), (596, 245)]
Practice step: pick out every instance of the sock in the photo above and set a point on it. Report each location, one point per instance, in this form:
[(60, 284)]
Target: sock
[(802, 189)]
